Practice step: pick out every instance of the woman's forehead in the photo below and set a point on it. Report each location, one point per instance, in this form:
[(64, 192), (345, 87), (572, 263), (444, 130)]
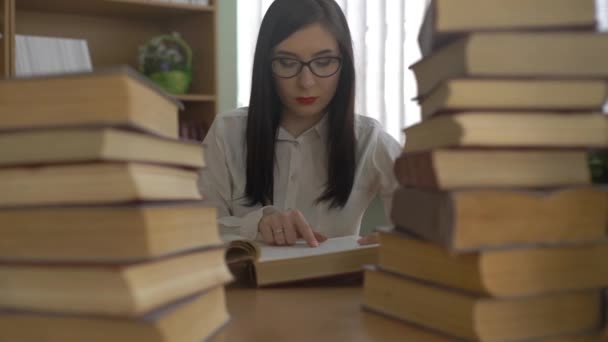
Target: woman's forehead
[(308, 42)]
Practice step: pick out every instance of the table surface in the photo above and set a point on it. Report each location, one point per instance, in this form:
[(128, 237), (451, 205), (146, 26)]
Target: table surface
[(310, 314)]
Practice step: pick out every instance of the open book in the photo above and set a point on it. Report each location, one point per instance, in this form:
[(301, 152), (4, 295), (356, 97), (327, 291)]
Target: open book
[(267, 265)]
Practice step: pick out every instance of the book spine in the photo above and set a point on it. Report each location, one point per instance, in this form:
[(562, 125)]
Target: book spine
[(416, 169), (427, 214)]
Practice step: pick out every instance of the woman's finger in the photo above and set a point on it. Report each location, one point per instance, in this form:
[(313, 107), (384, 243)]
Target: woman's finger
[(266, 233), (368, 240), (320, 237), (289, 230), (278, 232), (303, 229)]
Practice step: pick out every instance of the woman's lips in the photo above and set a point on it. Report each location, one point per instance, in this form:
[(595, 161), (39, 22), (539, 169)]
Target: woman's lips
[(306, 100)]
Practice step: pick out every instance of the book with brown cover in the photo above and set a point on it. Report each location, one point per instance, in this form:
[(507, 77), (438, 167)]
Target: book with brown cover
[(450, 169), (91, 144), (477, 94), (118, 97), (467, 220), (114, 290), (529, 55), (95, 183), (393, 329), (481, 318), (106, 233), (446, 20), (509, 129), (504, 272), (191, 319)]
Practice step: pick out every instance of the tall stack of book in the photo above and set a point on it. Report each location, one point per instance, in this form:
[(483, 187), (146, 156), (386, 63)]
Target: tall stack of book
[(103, 233), (499, 234)]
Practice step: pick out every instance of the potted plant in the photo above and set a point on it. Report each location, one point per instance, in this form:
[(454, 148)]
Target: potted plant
[(167, 61)]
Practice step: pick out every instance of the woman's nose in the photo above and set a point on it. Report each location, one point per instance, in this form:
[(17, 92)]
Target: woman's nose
[(306, 78)]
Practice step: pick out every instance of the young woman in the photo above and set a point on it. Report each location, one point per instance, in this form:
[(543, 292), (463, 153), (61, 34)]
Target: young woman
[(297, 163)]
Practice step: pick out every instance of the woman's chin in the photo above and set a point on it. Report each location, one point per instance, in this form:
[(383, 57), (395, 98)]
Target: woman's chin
[(307, 110)]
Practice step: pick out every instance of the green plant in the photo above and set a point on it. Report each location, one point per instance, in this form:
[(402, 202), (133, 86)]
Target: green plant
[(164, 53), (167, 60)]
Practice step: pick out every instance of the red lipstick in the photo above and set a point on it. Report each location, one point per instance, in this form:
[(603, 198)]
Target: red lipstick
[(306, 100)]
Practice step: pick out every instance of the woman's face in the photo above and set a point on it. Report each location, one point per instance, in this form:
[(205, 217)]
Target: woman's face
[(308, 92)]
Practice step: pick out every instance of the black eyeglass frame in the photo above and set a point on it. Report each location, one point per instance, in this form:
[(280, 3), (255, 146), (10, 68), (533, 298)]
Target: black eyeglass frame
[(302, 64)]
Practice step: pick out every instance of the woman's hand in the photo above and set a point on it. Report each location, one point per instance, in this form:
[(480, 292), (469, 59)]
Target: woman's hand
[(368, 239), (284, 228)]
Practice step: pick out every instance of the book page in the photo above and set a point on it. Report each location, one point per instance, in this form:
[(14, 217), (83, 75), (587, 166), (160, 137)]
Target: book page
[(301, 249), (230, 237)]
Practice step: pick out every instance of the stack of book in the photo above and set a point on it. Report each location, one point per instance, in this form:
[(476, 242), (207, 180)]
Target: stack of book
[(104, 236), (499, 234)]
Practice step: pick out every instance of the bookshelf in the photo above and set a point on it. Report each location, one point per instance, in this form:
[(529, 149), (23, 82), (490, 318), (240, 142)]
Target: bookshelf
[(114, 29), (4, 42)]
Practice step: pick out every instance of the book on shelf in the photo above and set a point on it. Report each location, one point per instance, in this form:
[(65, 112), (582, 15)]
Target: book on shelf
[(188, 2), (191, 319), (469, 220), (509, 129), (109, 233), (38, 56), (95, 183), (118, 97), (502, 272), (481, 318), (444, 19), (255, 262), (113, 290), (450, 169), (91, 144), (472, 94), (195, 131), (530, 55)]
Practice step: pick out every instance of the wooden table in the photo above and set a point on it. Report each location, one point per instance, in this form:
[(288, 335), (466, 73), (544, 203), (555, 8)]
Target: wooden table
[(310, 314)]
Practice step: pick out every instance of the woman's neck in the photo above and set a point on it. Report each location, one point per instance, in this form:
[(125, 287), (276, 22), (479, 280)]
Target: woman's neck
[(298, 124)]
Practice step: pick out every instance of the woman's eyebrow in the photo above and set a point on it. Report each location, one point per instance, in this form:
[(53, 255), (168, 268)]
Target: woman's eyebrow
[(322, 52), (283, 52)]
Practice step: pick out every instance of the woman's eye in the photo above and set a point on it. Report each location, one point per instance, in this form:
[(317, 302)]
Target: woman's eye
[(287, 63), (323, 62)]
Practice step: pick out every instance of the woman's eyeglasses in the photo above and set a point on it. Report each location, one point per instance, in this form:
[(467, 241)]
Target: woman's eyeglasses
[(286, 67)]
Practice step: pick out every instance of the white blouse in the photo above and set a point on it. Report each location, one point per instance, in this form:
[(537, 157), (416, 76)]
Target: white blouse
[(300, 174)]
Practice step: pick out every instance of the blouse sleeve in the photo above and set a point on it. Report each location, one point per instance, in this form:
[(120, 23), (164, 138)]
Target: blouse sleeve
[(387, 149), (215, 185)]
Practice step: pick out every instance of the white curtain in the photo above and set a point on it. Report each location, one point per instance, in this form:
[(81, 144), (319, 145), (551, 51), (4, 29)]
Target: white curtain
[(385, 42), (602, 14)]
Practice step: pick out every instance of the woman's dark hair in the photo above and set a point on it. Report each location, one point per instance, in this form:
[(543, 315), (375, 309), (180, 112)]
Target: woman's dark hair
[(283, 18)]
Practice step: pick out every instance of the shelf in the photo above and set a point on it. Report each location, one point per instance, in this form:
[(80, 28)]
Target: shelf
[(195, 98), (114, 40), (114, 30), (138, 9)]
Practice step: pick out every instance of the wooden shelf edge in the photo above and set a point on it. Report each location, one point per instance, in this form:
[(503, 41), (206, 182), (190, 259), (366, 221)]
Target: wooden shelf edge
[(141, 9), (195, 98), (157, 3)]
